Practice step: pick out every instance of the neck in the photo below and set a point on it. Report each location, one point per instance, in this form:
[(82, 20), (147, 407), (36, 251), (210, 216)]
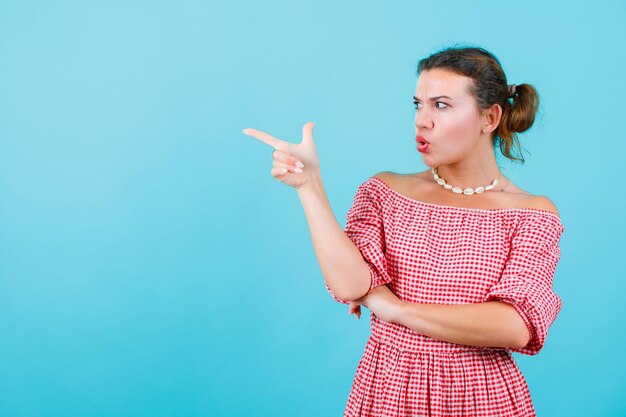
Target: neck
[(470, 174)]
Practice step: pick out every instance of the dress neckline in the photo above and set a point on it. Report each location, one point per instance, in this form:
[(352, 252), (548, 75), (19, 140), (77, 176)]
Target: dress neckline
[(469, 209)]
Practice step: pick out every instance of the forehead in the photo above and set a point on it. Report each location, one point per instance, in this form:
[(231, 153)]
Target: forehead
[(438, 82)]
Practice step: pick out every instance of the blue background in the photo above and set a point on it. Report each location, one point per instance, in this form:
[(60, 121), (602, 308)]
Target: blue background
[(150, 265)]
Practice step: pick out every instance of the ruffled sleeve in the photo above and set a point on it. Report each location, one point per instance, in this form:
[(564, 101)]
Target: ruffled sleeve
[(365, 227), (526, 281)]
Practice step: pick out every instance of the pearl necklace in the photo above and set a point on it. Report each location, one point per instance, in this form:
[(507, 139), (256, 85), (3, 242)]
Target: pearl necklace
[(459, 190)]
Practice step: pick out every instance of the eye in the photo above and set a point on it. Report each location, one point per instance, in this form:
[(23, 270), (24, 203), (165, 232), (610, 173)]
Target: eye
[(416, 103), (441, 102)]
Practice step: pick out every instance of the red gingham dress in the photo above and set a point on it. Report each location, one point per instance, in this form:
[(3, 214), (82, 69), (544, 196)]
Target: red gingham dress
[(437, 254)]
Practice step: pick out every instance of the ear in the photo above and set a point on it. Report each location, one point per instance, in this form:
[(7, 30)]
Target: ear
[(491, 118)]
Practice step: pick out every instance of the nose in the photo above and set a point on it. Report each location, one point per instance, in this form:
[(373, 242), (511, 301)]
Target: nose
[(423, 119)]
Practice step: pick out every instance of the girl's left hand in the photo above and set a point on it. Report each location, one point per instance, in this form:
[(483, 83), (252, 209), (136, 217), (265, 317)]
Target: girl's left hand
[(381, 302)]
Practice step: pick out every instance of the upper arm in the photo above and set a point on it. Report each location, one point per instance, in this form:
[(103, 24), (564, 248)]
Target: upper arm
[(542, 202)]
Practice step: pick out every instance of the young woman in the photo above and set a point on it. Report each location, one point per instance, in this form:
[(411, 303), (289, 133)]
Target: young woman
[(455, 263)]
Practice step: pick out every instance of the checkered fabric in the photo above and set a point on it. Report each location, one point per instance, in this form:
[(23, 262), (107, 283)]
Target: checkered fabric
[(437, 254)]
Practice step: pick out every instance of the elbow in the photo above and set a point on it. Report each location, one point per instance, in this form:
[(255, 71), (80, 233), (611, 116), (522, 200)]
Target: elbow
[(517, 333), (522, 338), (350, 294), (353, 292), (356, 286)]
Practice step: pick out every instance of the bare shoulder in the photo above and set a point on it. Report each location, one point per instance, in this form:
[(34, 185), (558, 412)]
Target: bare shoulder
[(542, 202), (392, 178), (411, 185), (387, 177)]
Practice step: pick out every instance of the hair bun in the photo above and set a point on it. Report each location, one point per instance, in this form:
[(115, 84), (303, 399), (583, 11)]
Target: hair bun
[(511, 88)]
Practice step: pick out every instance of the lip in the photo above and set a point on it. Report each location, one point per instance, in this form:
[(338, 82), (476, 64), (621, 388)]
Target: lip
[(422, 143)]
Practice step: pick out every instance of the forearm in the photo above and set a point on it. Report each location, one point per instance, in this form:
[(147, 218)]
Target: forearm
[(489, 324), (341, 263)]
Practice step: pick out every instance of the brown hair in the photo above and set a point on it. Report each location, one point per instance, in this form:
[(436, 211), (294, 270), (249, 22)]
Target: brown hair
[(489, 87)]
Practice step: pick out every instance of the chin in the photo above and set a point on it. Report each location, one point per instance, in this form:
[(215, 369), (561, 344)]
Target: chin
[(429, 162)]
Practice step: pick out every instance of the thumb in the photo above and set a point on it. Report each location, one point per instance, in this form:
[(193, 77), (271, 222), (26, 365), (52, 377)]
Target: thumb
[(307, 133)]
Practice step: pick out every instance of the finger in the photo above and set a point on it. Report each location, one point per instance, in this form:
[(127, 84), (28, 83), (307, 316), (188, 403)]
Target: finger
[(286, 158), (352, 308), (264, 137), (290, 168), (358, 312), (307, 132), (279, 173)]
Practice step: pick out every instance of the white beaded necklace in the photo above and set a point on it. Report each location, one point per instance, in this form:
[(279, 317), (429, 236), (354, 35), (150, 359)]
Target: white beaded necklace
[(459, 190)]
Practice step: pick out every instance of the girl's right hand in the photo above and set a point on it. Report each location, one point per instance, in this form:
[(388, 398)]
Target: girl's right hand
[(294, 164)]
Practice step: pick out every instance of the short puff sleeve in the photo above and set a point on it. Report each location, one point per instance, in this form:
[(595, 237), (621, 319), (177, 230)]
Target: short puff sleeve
[(526, 281), (365, 227)]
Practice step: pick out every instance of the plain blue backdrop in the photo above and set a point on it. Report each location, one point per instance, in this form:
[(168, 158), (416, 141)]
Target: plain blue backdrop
[(150, 265)]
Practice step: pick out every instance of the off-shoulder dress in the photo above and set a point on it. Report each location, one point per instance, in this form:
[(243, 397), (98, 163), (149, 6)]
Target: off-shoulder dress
[(438, 254)]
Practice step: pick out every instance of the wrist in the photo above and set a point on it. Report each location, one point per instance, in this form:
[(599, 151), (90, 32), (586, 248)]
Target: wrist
[(313, 185), (400, 312)]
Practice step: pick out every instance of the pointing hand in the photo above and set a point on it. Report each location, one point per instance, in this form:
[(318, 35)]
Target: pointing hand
[(294, 164)]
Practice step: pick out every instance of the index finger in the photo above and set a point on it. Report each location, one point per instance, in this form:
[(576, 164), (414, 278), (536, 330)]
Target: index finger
[(263, 137)]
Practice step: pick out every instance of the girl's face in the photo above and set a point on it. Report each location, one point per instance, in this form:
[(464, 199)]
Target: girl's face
[(447, 117)]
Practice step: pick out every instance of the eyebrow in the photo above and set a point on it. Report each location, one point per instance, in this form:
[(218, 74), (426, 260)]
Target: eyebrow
[(433, 98)]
